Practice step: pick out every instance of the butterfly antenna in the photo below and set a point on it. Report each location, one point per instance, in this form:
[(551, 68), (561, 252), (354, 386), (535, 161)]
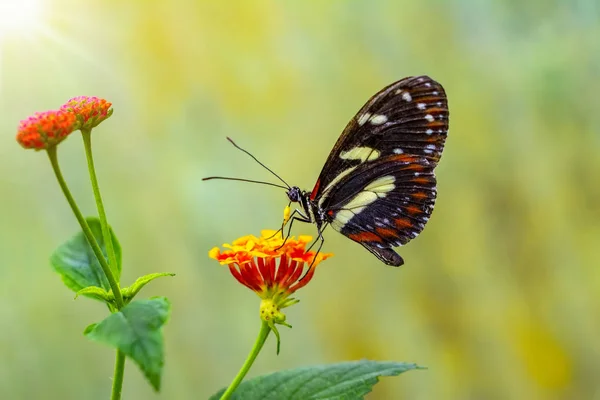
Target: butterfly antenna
[(227, 178), (261, 164)]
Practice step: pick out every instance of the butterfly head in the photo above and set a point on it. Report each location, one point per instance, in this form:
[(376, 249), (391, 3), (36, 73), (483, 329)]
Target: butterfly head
[(309, 211), (294, 194)]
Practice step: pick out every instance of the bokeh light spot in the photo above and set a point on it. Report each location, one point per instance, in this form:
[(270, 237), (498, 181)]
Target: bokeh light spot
[(19, 16)]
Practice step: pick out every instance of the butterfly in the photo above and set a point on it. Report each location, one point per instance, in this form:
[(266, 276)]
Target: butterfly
[(378, 186)]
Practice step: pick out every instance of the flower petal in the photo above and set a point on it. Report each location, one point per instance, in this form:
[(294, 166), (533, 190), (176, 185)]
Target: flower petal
[(270, 265)]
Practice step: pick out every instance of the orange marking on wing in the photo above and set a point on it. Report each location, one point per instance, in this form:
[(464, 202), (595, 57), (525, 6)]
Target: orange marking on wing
[(436, 110), (414, 167), (413, 209), (429, 99), (330, 213), (421, 180), (436, 124), (386, 232), (365, 237), (403, 223), (313, 194), (403, 158), (419, 195)]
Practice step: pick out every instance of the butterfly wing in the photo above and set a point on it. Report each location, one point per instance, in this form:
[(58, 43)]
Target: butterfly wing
[(384, 203), (378, 184), (409, 116)]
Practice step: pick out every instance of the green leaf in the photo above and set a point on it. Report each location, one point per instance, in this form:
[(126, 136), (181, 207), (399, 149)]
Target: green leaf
[(96, 293), (75, 261), (130, 292), (89, 328), (347, 380), (136, 330)]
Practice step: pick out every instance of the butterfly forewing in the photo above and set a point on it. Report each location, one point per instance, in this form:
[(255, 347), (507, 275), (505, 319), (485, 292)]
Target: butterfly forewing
[(378, 185), (409, 116)]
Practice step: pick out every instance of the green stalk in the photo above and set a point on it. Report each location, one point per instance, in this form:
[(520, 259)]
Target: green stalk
[(112, 257), (260, 341), (114, 285), (118, 375), (85, 227)]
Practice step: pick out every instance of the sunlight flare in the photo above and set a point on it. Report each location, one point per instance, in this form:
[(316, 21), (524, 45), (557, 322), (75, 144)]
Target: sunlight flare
[(18, 17)]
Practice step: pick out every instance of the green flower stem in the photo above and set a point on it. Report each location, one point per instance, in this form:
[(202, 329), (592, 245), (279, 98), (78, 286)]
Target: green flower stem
[(120, 358), (112, 257), (260, 341), (118, 375), (85, 228)]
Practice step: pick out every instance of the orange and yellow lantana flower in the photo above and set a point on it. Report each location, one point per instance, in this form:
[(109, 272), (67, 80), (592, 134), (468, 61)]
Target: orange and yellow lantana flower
[(272, 267), (45, 129)]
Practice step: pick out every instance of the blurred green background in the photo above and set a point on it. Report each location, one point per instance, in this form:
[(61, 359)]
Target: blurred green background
[(499, 296)]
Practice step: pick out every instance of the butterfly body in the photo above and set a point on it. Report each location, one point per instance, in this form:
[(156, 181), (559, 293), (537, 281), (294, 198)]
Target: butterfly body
[(378, 185)]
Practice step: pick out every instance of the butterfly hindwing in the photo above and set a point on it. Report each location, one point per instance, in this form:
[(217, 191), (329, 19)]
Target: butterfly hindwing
[(383, 204)]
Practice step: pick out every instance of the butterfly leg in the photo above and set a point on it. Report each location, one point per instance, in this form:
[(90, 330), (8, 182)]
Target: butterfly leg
[(322, 239), (278, 230), (319, 237), (293, 218)]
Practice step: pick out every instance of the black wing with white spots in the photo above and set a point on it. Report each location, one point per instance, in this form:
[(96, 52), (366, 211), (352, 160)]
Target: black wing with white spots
[(409, 117), (378, 184)]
